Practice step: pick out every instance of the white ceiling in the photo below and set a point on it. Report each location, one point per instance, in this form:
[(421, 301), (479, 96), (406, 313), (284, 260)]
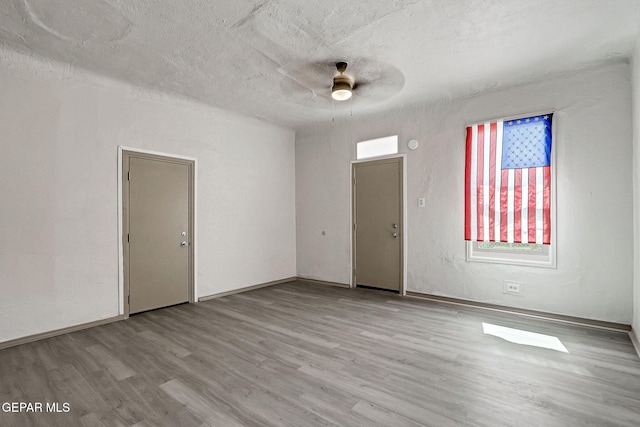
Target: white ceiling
[(275, 59)]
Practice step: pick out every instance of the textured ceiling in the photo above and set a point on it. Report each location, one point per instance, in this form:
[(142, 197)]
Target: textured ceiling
[(275, 59)]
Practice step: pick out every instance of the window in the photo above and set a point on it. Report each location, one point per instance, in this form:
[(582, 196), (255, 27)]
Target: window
[(377, 147), (508, 191)]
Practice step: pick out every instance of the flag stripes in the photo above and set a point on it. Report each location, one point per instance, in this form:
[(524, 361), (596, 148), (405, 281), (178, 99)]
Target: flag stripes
[(504, 205)]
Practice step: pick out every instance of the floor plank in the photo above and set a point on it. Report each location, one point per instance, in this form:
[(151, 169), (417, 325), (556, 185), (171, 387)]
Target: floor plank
[(301, 354)]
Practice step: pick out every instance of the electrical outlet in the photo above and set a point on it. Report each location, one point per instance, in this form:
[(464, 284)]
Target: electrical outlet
[(512, 288)]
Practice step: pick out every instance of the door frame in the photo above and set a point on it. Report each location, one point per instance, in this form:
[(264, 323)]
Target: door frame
[(403, 206), (123, 279)]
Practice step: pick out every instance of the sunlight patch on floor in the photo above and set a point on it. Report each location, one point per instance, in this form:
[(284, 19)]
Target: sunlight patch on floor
[(519, 336)]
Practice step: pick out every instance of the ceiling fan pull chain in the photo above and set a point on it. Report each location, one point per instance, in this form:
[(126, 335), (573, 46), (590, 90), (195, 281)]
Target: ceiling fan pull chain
[(333, 110)]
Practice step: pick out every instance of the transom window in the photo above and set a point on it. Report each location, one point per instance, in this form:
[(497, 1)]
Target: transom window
[(377, 147)]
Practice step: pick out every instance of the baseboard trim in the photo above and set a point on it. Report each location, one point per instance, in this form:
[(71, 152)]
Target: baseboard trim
[(246, 289), (635, 340), (323, 282), (619, 327), (58, 332)]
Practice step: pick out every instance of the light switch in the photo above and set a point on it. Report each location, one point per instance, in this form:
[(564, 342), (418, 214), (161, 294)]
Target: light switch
[(422, 202)]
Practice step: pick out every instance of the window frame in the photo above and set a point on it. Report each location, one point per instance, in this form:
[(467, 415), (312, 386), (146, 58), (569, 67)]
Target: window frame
[(519, 257), (546, 259)]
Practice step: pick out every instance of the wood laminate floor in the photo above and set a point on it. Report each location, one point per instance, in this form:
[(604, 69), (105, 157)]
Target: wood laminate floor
[(301, 354)]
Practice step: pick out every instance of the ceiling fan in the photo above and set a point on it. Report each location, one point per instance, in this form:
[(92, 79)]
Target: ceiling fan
[(373, 80)]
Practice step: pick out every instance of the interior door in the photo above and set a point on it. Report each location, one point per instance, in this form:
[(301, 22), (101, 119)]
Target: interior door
[(377, 207), (158, 232)]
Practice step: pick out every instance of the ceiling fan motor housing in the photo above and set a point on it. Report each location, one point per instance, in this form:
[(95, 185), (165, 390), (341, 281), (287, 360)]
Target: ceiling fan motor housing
[(342, 84)]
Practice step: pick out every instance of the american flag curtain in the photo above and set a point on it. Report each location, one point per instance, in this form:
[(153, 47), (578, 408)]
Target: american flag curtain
[(508, 181)]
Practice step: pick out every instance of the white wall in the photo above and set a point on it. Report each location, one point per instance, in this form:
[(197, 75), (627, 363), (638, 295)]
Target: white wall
[(635, 81), (594, 213), (60, 129)]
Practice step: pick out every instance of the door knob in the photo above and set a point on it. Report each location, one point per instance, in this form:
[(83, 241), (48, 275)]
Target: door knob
[(394, 235), (395, 225), (183, 244)]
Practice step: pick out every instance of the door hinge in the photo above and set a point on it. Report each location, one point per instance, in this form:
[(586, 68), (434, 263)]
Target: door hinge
[(128, 237), (129, 176), (129, 299), (355, 226)]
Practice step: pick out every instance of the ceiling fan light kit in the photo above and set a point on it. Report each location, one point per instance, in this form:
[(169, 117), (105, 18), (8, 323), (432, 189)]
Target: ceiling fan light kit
[(341, 92), (342, 84)]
